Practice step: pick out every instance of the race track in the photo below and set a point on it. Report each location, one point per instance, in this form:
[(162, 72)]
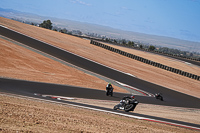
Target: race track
[(171, 97)]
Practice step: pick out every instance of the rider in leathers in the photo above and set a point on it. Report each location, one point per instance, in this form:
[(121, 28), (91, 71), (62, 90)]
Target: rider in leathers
[(122, 102), (109, 86)]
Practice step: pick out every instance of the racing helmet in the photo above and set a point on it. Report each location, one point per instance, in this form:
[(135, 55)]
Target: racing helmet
[(109, 84), (132, 96)]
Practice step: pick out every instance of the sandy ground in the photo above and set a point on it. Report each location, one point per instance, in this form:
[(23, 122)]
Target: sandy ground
[(25, 115), (18, 62)]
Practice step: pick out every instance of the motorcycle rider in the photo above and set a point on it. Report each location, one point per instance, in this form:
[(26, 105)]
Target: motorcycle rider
[(122, 102), (159, 96), (128, 103), (109, 86), (109, 89)]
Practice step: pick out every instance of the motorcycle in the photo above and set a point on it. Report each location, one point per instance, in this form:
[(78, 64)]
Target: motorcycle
[(127, 105), (159, 96), (109, 91)]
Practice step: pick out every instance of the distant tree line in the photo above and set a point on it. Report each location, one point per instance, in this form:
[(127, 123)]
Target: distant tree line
[(166, 50), (26, 22), (46, 24), (65, 31), (123, 42), (132, 44)]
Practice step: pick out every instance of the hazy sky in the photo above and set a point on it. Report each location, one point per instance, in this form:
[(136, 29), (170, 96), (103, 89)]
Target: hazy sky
[(173, 18)]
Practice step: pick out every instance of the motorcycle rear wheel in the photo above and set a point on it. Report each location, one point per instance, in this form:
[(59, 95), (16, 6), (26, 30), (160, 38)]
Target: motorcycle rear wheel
[(128, 107)]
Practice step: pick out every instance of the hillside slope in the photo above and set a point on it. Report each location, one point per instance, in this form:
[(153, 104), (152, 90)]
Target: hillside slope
[(84, 48)]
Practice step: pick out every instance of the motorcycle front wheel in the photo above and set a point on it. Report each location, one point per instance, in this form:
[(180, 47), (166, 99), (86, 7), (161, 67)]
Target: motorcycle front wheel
[(116, 107)]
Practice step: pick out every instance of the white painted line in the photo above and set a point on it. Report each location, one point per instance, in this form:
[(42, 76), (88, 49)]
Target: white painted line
[(136, 89), (4, 26), (130, 74), (62, 98), (56, 97), (187, 63), (67, 98)]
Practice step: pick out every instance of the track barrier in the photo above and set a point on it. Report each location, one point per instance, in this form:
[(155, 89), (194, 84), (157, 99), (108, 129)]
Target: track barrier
[(141, 59)]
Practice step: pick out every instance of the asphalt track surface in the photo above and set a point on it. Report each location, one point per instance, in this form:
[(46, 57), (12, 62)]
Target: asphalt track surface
[(171, 97), (28, 88)]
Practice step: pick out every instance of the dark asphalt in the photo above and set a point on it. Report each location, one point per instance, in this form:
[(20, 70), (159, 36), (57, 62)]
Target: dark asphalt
[(28, 88), (172, 98)]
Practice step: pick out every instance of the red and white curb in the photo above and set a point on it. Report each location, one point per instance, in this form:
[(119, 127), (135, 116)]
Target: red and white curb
[(136, 89), (55, 97)]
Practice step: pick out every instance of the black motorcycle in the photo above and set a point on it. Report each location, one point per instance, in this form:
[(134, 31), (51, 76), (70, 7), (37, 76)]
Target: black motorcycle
[(109, 91), (159, 96), (127, 105)]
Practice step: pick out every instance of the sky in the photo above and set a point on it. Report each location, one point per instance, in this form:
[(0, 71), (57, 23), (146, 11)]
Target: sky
[(171, 18)]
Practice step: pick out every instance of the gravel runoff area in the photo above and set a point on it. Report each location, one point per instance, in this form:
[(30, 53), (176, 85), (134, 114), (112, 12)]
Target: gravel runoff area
[(18, 62), (19, 114)]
